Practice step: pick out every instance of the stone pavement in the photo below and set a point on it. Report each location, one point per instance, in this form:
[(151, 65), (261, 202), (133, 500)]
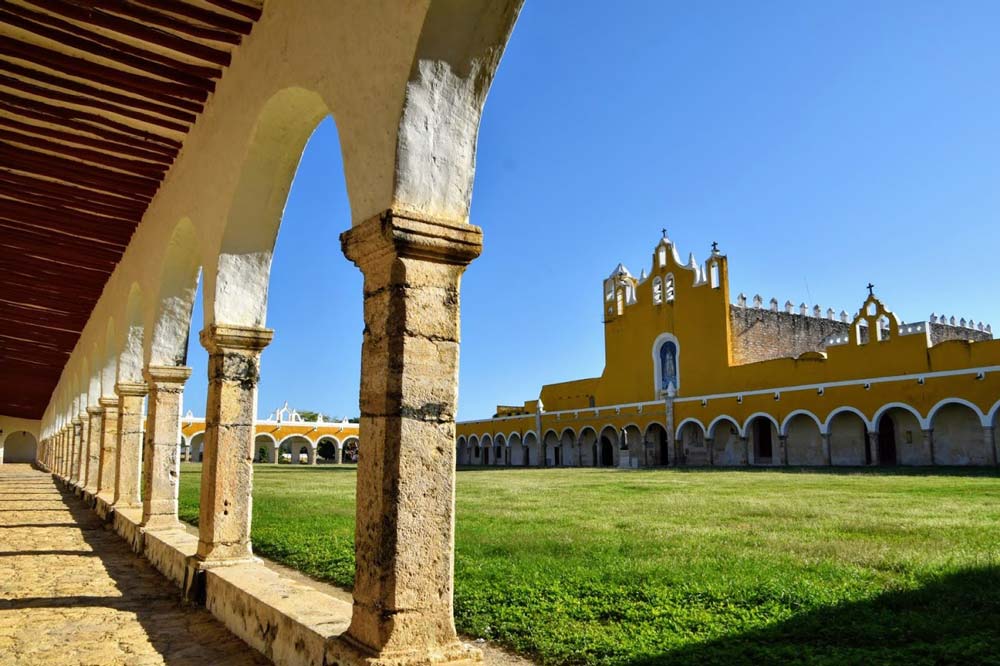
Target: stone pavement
[(71, 591)]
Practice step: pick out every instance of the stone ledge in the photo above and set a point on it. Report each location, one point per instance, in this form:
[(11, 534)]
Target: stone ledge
[(169, 551), (126, 523), (290, 623)]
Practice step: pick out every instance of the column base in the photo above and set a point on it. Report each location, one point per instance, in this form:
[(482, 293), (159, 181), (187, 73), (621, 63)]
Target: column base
[(345, 650)]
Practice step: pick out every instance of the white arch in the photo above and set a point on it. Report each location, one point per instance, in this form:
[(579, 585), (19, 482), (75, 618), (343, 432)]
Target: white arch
[(274, 442), (657, 371), (783, 430), (649, 425), (195, 434), (710, 431), (564, 432), (959, 401), (585, 429), (461, 440), (546, 435), (746, 424), (293, 435), (631, 424), (924, 423), (530, 433), (512, 433), (485, 438), (690, 419), (852, 410)]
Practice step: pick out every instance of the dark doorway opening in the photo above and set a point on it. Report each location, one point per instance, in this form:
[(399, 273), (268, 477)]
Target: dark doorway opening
[(607, 453), (557, 456), (486, 456), (886, 441), (762, 438), (593, 455)]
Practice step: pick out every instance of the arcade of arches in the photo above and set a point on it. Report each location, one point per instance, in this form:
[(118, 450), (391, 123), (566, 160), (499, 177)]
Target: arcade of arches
[(189, 122), (693, 379)]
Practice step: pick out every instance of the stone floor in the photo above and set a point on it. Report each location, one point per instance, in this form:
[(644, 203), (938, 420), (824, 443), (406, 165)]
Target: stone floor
[(71, 592)]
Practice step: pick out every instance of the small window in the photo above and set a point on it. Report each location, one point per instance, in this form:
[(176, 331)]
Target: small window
[(713, 273), (662, 256)]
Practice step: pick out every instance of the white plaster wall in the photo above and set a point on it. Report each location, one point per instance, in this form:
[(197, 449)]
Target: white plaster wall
[(728, 448), (12, 424), (958, 437), (848, 439), (805, 444)]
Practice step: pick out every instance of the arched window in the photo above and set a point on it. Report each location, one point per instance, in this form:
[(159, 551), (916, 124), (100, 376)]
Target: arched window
[(662, 256), (621, 302), (713, 273), (657, 291), (668, 364), (668, 289)]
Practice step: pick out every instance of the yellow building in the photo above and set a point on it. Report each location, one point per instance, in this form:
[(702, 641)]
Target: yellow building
[(693, 379), (284, 436)]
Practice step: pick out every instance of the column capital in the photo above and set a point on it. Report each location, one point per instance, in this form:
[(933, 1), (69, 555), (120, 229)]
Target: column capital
[(106, 402), (222, 337), (137, 389), (77, 422), (395, 234), (166, 376), (95, 411)]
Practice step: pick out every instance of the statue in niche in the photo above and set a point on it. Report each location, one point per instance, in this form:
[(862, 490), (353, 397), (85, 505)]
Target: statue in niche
[(668, 364)]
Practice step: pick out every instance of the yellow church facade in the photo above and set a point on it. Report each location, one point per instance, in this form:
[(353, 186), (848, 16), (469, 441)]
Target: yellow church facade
[(691, 378)]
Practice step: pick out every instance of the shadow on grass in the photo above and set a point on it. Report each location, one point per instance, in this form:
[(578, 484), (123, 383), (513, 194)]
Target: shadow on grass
[(951, 620)]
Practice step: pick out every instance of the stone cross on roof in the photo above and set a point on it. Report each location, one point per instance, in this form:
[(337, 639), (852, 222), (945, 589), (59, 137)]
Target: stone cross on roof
[(871, 289)]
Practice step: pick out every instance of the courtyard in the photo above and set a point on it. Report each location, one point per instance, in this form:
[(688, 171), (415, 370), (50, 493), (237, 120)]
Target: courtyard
[(596, 566)]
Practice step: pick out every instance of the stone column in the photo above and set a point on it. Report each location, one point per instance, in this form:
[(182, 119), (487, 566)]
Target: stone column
[(746, 450), (81, 473), (710, 445), (108, 464), (227, 462), (404, 534), (929, 443), (161, 465), (339, 456), (827, 452), (94, 447), (783, 443), (130, 436), (74, 459), (990, 442), (873, 447)]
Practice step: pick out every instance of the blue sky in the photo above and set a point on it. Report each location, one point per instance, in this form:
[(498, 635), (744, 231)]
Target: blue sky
[(823, 145)]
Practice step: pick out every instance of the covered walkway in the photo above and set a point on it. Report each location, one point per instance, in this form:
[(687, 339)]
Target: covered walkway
[(72, 592)]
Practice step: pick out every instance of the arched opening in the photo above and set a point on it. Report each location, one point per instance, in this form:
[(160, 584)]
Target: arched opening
[(631, 447), (351, 450), (198, 447), (763, 434), (266, 449), (487, 445), (532, 455), (886, 440), (848, 434), (691, 442), (727, 446), (657, 445), (586, 448), (959, 436), (20, 446), (804, 441), (516, 446), (326, 450), (550, 452), (567, 447)]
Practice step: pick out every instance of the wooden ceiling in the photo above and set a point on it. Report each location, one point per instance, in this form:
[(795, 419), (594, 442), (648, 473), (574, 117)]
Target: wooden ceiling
[(96, 97)]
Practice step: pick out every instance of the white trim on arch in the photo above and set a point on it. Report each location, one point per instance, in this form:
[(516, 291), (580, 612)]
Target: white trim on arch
[(564, 432), (959, 401), (579, 435), (709, 431), (657, 343), (924, 423), (994, 410), (546, 435), (511, 435), (294, 434), (746, 424), (690, 419), (852, 410), (274, 442), (528, 433), (783, 430)]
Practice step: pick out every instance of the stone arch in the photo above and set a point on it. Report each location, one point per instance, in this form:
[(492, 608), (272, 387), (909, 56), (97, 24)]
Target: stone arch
[(657, 444), (630, 447), (350, 450), (587, 444), (130, 357), (293, 445), (532, 449), (320, 448), (486, 444), (197, 446), (516, 445), (569, 456), (475, 454), (762, 433), (608, 449), (551, 455), (500, 449), (267, 442), (461, 450), (727, 447), (19, 446), (168, 342), (847, 430), (803, 432), (959, 434), (691, 442), (993, 416), (900, 435), (236, 286)]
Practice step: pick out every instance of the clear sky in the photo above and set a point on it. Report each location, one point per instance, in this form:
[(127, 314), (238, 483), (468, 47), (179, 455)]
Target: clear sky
[(823, 145)]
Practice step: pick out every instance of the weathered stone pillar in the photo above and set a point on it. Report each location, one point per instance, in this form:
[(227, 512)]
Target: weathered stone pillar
[(827, 452), (873, 447), (130, 436), (161, 465), (227, 461), (81, 474), (339, 456), (108, 465), (990, 442), (404, 535), (710, 444), (745, 441), (929, 443), (94, 447), (783, 443), (74, 460)]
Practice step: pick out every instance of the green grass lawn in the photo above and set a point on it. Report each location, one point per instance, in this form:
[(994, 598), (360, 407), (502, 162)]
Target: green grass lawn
[(689, 567)]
